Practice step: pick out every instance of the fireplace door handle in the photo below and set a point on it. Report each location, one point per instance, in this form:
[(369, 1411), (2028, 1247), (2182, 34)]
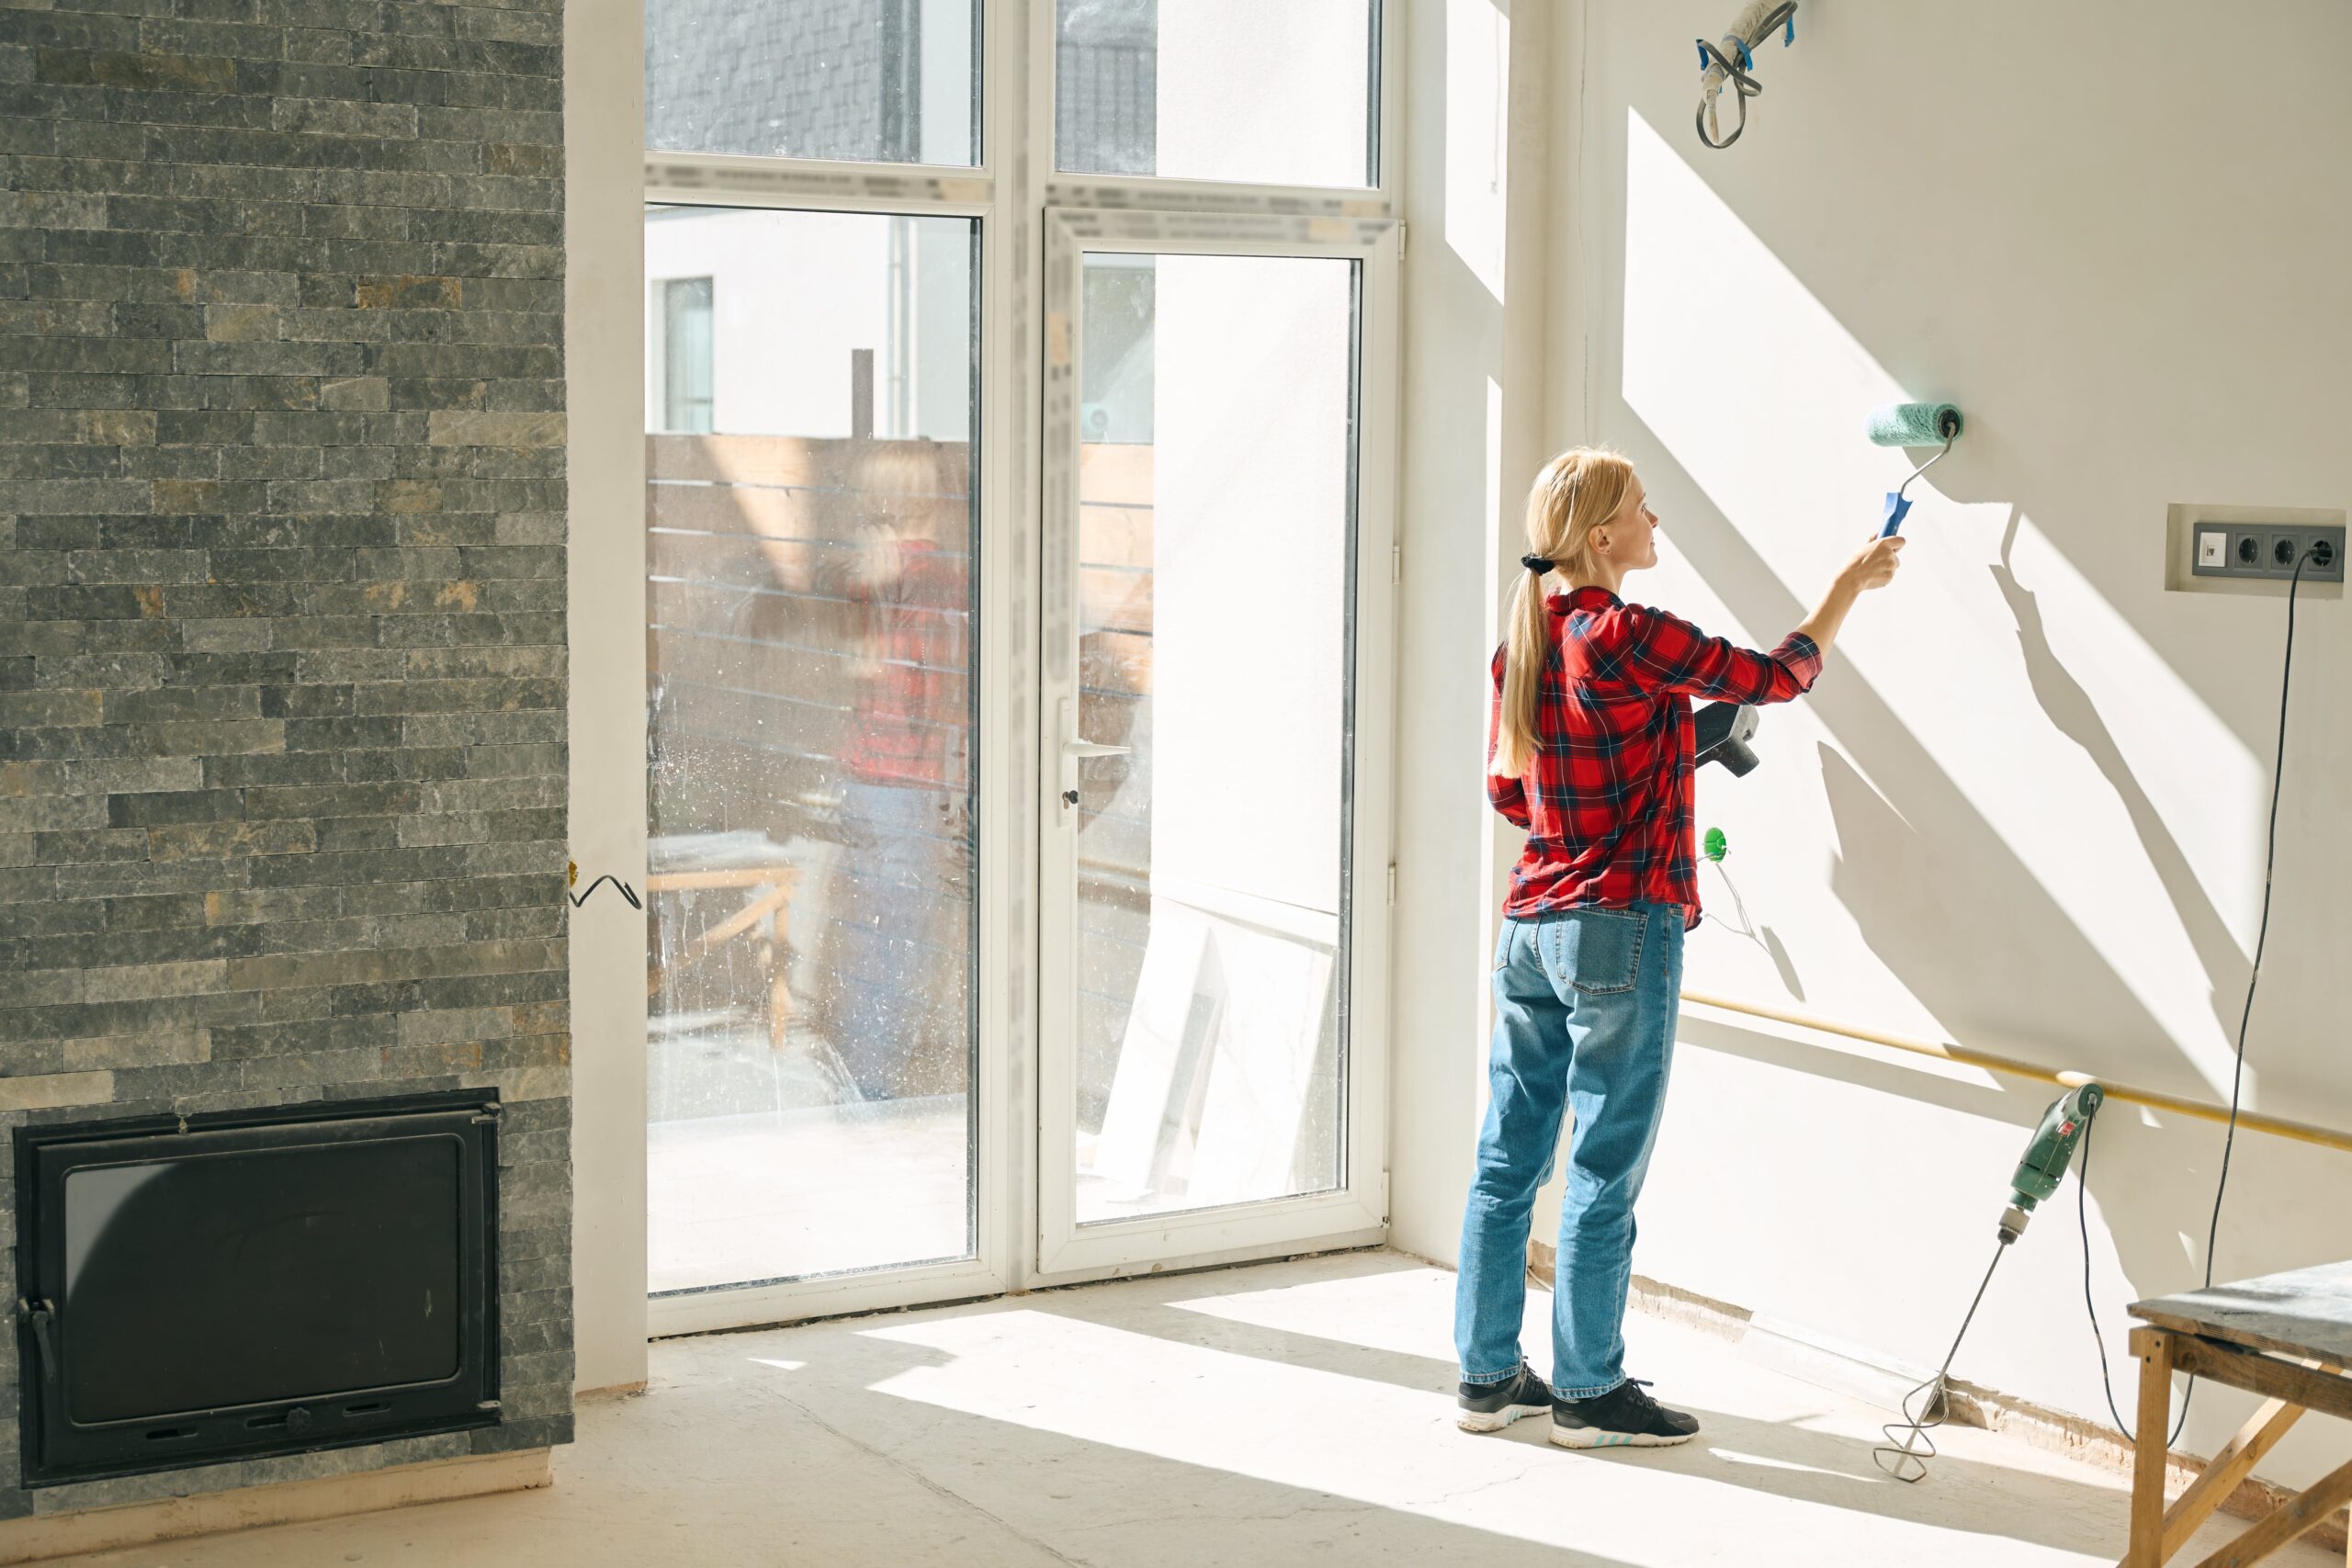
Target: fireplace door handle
[(41, 1315)]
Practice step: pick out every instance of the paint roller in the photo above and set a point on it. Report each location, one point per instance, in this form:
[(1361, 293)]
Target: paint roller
[(1912, 424), (1721, 731)]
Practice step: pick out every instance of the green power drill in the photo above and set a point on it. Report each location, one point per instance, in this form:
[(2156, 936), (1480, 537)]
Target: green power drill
[(1907, 1448), (2049, 1154)]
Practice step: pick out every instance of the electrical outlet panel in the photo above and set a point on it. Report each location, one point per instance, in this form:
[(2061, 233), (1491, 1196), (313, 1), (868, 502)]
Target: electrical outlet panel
[(2266, 552)]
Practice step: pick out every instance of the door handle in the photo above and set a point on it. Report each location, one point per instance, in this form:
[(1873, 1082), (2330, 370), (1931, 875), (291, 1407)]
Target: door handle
[(1076, 749)]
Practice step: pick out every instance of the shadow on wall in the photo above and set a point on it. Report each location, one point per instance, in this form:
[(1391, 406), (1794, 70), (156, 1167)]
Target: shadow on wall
[(1946, 905), (2123, 334), (2152, 1205), (2075, 715), (2021, 824), (1767, 940), (2103, 289), (2046, 784), (1939, 896)]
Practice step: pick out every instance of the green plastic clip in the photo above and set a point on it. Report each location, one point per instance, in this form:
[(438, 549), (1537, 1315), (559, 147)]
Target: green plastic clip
[(1715, 845)]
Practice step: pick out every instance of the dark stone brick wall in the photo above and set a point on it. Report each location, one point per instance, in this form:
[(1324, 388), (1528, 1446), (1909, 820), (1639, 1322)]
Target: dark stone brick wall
[(282, 665)]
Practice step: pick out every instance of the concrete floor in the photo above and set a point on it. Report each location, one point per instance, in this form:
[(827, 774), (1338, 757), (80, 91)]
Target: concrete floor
[(1287, 1413)]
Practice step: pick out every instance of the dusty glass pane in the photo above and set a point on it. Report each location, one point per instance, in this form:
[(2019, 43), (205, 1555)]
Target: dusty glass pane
[(808, 551), (1216, 499), (868, 80), (1233, 90)]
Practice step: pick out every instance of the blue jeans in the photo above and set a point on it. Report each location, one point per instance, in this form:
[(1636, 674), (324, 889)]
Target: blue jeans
[(899, 970), (1585, 1006)]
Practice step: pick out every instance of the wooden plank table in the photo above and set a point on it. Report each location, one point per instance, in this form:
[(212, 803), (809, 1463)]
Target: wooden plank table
[(750, 860), (2286, 1337)]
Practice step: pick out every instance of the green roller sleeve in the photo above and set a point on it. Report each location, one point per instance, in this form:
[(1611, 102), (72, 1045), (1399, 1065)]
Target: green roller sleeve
[(1913, 425)]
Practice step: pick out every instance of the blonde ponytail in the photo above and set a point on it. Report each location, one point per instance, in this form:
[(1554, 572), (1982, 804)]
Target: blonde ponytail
[(1575, 492)]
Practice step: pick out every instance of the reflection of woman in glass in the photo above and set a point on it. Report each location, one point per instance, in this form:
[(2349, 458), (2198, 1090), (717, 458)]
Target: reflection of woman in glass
[(904, 934)]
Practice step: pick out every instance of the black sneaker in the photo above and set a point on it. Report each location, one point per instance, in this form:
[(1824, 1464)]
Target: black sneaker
[(1624, 1417), (1491, 1407)]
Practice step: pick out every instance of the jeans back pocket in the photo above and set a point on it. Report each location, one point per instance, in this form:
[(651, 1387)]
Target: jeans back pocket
[(1596, 950)]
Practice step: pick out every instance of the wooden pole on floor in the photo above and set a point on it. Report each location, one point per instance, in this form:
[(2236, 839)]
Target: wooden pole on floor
[(1968, 1056)]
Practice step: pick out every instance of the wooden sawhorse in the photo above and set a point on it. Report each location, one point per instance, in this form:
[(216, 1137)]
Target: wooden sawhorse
[(752, 862), (2287, 1336)]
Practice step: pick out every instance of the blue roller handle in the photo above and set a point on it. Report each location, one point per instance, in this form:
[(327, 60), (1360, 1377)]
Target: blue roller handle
[(1896, 507)]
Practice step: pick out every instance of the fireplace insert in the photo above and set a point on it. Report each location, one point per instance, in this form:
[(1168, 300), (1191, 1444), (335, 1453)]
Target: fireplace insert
[(212, 1287)]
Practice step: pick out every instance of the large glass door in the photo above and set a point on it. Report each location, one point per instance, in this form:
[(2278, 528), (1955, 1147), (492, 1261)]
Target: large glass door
[(1013, 739), (1216, 558)]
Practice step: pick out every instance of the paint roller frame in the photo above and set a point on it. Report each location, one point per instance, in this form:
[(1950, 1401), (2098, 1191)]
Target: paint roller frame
[(1912, 424)]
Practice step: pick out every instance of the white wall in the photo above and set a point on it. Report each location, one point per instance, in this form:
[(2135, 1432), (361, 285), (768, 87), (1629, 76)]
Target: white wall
[(1476, 208), (2023, 809)]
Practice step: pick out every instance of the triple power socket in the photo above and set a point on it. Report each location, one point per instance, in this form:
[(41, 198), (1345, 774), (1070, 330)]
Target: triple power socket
[(2268, 551)]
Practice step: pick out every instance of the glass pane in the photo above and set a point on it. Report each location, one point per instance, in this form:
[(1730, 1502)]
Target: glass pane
[(809, 550), (684, 362), (869, 80), (1215, 520), (1236, 90)]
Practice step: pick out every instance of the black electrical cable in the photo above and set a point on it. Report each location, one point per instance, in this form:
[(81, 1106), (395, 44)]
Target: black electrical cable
[(2237, 1075), (1744, 86), (2083, 1223), (625, 889), (2262, 931)]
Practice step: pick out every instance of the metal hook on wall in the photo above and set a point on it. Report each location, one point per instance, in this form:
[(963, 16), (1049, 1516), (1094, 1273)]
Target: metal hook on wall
[(571, 880)]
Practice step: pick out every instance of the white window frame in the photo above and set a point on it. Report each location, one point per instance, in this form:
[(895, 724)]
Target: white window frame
[(657, 350), (1008, 192)]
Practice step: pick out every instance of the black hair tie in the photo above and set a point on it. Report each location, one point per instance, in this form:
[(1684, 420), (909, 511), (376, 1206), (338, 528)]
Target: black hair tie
[(1536, 564)]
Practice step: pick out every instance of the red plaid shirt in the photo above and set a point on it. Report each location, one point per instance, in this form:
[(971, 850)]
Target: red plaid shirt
[(1606, 801), (912, 727)]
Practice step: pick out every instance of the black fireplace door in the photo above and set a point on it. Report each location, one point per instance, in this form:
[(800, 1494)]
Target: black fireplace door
[(257, 1282)]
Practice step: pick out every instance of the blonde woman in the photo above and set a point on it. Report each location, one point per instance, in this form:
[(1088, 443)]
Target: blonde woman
[(1591, 753)]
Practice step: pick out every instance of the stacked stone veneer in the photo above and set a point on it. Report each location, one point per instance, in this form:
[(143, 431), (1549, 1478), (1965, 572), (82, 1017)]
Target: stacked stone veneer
[(281, 599)]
